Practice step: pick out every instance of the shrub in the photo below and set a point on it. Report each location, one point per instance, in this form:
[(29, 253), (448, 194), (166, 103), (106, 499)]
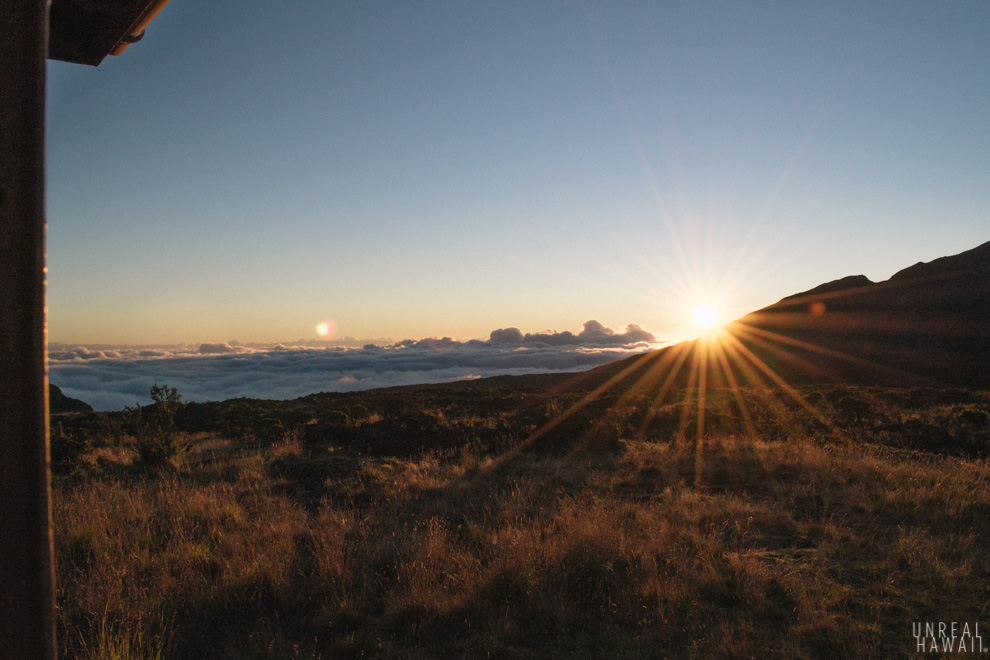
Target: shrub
[(66, 445), (975, 418), (157, 442)]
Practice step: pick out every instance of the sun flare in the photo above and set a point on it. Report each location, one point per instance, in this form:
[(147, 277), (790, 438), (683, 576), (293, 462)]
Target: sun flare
[(705, 316), (325, 329)]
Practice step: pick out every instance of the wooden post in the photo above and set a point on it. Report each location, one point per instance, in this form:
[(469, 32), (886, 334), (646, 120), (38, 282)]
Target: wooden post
[(27, 624)]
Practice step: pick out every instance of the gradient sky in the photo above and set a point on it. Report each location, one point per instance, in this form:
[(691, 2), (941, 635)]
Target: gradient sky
[(413, 169)]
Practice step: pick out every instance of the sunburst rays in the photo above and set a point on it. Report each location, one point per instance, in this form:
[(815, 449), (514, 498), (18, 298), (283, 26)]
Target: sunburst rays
[(739, 356)]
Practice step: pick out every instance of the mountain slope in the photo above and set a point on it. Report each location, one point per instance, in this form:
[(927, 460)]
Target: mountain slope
[(59, 403), (929, 324)]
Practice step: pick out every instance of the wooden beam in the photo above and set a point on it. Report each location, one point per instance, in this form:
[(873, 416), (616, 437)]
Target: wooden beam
[(27, 624)]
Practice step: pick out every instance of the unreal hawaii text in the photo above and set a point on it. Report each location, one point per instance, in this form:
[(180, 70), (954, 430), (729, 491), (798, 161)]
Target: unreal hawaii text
[(947, 637)]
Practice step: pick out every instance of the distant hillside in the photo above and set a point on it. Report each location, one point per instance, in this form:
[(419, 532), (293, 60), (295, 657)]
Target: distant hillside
[(59, 403), (929, 324), (845, 284)]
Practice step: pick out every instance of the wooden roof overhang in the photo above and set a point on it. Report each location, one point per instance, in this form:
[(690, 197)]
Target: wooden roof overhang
[(86, 31)]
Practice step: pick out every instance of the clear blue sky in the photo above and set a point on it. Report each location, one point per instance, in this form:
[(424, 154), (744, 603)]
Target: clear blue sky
[(410, 169)]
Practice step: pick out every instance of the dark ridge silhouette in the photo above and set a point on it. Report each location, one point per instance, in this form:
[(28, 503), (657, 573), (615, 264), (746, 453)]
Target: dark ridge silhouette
[(844, 284), (59, 403), (929, 325), (973, 261)]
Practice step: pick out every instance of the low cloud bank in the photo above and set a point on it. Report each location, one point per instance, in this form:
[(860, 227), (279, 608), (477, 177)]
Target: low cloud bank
[(594, 334), (109, 378)]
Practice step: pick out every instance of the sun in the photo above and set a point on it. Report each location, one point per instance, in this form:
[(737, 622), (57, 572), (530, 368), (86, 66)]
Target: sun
[(705, 316)]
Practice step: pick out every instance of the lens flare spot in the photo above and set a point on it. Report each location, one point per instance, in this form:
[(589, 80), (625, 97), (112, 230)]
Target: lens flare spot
[(325, 329), (705, 316)]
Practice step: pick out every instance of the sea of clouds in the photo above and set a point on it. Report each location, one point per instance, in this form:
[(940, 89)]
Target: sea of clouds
[(112, 377)]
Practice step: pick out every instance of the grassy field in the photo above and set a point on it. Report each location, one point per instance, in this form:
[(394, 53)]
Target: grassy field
[(510, 523)]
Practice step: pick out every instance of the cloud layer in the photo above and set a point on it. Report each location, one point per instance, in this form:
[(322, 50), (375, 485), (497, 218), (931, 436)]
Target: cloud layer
[(109, 378), (594, 334)]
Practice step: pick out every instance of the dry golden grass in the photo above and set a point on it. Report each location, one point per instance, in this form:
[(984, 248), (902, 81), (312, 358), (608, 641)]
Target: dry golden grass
[(799, 546)]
